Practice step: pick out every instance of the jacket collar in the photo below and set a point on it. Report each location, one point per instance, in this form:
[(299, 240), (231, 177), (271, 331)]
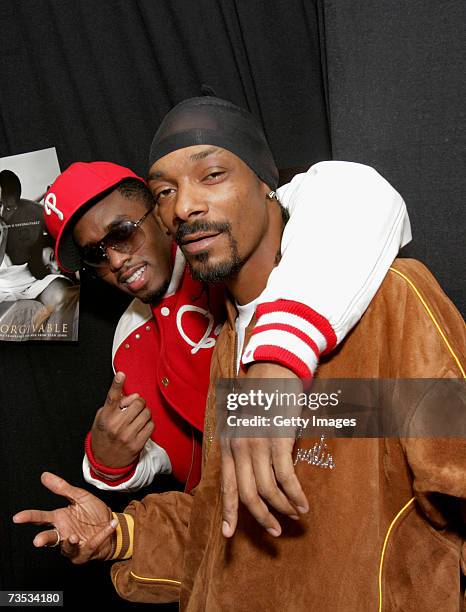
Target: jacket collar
[(232, 311)]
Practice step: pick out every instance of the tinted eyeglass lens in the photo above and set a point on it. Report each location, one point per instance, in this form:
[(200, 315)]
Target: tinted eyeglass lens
[(94, 256), (126, 237)]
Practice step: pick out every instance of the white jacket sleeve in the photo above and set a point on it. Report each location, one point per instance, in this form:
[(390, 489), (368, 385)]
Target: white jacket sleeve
[(346, 226), (153, 460)]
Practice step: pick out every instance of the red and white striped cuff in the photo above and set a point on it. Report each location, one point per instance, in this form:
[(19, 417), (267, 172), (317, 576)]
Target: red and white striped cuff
[(110, 476), (291, 334)]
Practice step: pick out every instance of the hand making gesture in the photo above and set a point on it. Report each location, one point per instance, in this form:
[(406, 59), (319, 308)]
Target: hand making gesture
[(83, 529), (121, 427)]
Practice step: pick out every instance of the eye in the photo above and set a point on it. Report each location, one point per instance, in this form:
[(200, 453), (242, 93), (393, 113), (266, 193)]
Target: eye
[(214, 176), (164, 193)]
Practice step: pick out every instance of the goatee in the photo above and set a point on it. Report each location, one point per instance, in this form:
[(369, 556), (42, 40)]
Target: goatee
[(199, 265)]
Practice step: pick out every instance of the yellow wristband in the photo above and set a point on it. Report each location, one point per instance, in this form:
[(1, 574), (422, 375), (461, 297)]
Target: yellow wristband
[(124, 536)]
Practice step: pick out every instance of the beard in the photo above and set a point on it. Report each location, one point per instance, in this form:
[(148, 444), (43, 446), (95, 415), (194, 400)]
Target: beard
[(219, 272), (154, 297), (201, 269)]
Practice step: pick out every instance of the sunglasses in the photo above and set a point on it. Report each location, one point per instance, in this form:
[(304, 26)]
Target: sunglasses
[(125, 237)]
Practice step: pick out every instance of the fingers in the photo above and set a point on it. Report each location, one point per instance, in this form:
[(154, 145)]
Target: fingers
[(115, 397), (36, 517), (145, 433), (80, 551), (247, 488), (132, 410), (99, 538), (139, 431), (132, 430), (229, 492), (125, 402), (46, 538), (59, 486), (282, 457), (115, 392), (266, 480), (126, 422), (115, 432), (259, 471), (141, 420)]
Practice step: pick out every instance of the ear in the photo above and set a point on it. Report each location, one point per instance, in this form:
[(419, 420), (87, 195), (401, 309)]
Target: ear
[(264, 188), (10, 186)]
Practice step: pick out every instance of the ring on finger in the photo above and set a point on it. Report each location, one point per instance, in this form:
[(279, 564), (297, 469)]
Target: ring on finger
[(58, 539)]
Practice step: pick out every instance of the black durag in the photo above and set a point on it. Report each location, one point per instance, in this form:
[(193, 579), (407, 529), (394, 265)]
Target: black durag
[(213, 121)]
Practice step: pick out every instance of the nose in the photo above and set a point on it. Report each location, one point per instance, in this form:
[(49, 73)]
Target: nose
[(190, 204), (116, 259)]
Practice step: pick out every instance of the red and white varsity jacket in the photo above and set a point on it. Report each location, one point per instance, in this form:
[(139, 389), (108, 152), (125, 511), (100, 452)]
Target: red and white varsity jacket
[(346, 226)]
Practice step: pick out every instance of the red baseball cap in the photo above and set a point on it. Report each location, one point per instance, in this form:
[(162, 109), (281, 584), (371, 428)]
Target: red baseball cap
[(75, 188)]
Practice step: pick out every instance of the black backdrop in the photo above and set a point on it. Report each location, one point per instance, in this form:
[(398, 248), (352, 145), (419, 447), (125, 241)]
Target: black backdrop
[(379, 82)]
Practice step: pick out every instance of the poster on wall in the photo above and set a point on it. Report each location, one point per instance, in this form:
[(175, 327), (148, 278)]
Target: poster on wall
[(37, 302)]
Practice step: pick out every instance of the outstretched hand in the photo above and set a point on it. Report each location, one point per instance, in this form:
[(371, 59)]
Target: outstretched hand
[(260, 472), (85, 526)]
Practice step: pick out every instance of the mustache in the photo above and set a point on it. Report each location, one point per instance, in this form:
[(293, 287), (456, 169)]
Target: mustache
[(186, 229)]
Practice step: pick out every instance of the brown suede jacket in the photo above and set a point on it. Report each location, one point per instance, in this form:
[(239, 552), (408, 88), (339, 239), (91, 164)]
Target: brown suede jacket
[(384, 531)]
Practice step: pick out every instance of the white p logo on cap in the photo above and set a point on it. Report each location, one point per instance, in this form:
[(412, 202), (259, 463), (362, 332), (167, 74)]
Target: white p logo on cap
[(50, 205)]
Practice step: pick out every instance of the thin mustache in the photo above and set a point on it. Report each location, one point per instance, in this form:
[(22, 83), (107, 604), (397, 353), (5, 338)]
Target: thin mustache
[(200, 226)]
